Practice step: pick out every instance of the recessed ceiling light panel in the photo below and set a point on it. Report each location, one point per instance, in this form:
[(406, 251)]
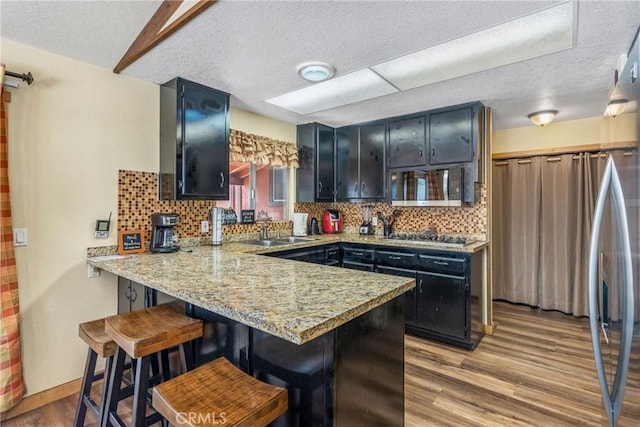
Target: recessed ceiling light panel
[(343, 90), (550, 30)]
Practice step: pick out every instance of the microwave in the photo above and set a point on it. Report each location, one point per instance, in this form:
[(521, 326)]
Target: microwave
[(438, 187)]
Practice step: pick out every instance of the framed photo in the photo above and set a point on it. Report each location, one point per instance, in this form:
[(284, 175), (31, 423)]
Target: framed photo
[(130, 241)]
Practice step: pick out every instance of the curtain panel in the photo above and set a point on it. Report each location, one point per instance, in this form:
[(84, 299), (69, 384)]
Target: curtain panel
[(11, 382), (250, 148), (543, 210)]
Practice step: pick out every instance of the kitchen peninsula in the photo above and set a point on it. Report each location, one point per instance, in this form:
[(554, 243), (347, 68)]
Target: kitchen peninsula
[(343, 329)]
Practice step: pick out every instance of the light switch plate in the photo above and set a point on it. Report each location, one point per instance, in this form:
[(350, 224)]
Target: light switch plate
[(374, 221), (204, 226), (20, 237)]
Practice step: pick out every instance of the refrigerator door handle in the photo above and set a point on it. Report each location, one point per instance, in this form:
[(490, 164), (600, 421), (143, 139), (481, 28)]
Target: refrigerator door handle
[(612, 399)]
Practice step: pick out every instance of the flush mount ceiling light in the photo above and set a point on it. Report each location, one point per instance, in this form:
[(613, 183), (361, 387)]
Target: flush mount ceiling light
[(541, 118), (616, 107), (316, 71), (541, 33)]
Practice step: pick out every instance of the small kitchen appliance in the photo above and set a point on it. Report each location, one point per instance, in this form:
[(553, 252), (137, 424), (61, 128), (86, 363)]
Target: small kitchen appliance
[(367, 227), (300, 224), (163, 238), (332, 221), (314, 228), (217, 215)]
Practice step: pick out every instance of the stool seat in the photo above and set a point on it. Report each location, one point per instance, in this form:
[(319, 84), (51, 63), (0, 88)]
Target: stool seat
[(94, 335), (219, 393), (143, 332)]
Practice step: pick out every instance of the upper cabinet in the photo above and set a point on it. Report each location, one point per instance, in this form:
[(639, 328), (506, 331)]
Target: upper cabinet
[(316, 152), (452, 136), (407, 142), (194, 142), (360, 162)]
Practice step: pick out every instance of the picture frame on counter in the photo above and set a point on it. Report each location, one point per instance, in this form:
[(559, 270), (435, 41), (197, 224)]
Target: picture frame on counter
[(130, 242), (248, 216)]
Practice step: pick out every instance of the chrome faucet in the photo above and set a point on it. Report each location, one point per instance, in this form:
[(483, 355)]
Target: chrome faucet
[(265, 229)]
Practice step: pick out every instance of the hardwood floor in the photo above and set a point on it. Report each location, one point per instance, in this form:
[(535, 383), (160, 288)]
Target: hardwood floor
[(536, 370)]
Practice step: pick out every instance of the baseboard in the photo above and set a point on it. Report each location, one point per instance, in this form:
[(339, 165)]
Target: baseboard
[(45, 397), (490, 329)]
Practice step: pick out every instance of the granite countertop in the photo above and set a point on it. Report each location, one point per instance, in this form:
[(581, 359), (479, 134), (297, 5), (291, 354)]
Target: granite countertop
[(293, 300), (354, 238)]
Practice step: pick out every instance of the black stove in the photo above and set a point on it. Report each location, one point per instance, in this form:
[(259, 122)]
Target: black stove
[(432, 238)]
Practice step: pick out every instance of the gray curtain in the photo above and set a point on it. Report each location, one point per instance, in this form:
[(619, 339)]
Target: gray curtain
[(516, 225), (542, 217)]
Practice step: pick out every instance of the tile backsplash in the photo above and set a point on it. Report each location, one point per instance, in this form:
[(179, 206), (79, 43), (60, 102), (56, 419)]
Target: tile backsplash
[(468, 220), (138, 199)]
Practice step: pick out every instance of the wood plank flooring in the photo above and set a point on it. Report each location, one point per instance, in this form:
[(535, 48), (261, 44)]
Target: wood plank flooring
[(536, 370)]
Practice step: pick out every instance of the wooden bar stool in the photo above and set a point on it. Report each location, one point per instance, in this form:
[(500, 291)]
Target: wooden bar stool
[(142, 334), (218, 393), (100, 344)]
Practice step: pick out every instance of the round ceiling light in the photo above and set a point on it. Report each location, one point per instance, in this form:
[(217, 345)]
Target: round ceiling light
[(541, 118), (316, 71)]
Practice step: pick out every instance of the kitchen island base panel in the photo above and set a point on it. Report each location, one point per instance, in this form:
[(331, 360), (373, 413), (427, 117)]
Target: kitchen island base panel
[(351, 376)]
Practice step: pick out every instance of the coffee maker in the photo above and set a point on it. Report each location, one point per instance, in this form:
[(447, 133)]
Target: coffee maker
[(163, 238)]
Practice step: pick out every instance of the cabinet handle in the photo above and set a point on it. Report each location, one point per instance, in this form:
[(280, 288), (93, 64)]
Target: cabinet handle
[(420, 285), (222, 178), (394, 257), (319, 186), (362, 188), (355, 188), (134, 295), (127, 292), (180, 184), (440, 263), (433, 151), (421, 153), (357, 253)]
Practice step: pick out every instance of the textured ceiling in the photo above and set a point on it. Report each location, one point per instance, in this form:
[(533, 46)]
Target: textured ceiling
[(251, 49)]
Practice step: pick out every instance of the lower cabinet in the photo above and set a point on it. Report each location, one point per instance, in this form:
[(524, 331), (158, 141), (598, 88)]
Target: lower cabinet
[(445, 304), (442, 304)]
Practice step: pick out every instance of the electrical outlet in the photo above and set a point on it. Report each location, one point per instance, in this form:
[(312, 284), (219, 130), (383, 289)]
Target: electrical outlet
[(20, 237), (374, 221), (93, 271), (204, 226)]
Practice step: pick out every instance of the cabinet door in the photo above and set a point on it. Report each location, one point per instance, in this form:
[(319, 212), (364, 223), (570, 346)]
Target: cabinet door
[(441, 304), (324, 163), (347, 183), (451, 136), (407, 142), (372, 161), (131, 295), (205, 148), (409, 296), (305, 185)]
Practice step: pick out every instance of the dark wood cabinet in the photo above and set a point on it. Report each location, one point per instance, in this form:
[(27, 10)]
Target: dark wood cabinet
[(442, 304), (407, 142), (360, 161), (194, 142), (452, 135), (316, 174)]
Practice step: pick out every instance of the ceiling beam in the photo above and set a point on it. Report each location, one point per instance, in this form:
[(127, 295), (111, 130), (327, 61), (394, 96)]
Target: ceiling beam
[(153, 33)]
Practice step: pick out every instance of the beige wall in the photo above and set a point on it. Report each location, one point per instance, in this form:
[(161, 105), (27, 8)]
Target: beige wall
[(69, 134), (260, 125), (594, 130)]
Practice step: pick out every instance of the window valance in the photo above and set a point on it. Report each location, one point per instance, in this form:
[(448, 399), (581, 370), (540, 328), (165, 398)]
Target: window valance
[(261, 150)]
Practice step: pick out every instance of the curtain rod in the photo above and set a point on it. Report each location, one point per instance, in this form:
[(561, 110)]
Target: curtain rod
[(25, 77)]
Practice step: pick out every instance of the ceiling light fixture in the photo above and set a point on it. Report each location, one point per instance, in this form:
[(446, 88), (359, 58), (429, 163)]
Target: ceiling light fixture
[(316, 71), (541, 118), (346, 89), (616, 107)]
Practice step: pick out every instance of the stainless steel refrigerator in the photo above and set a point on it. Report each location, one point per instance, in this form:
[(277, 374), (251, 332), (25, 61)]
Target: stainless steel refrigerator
[(614, 290)]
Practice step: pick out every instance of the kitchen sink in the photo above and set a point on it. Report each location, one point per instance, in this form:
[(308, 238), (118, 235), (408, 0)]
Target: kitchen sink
[(277, 242), (293, 239), (267, 243)]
